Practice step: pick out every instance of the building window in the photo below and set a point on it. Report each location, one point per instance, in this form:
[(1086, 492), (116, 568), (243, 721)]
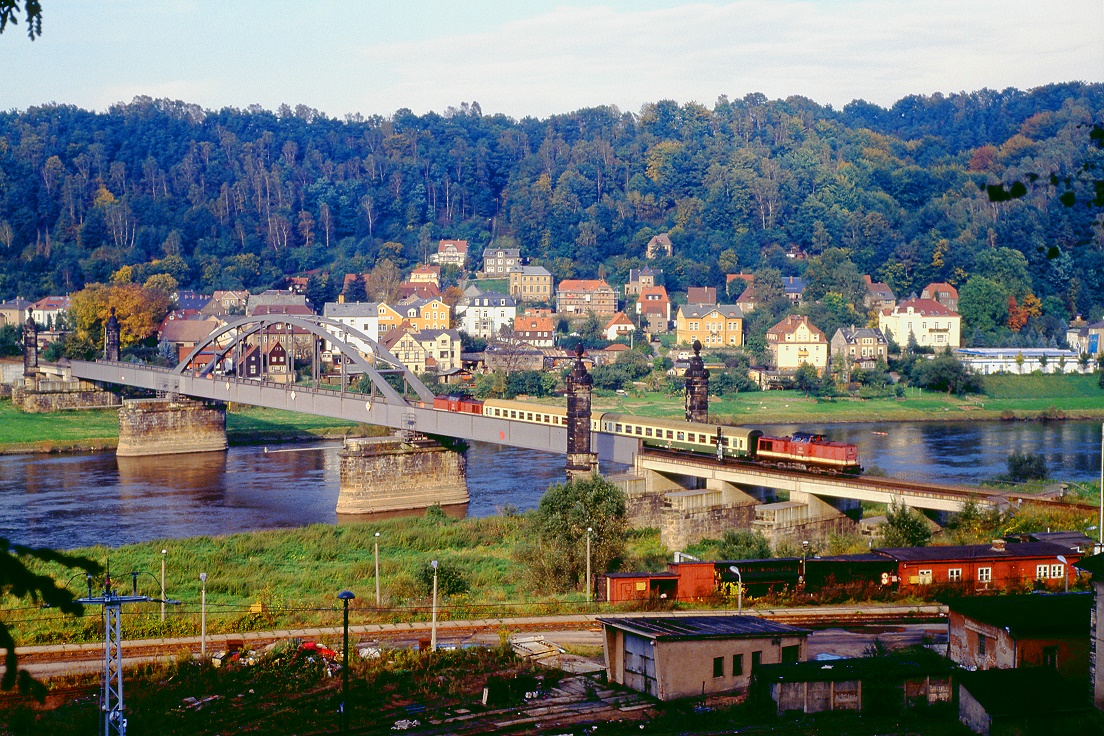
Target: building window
[(1057, 571), (985, 574), (954, 575), (791, 654), (737, 665), (718, 666), (925, 577), (981, 645), (1050, 657), (756, 660), (1042, 572)]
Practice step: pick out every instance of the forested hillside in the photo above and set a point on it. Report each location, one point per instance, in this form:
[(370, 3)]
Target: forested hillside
[(234, 198)]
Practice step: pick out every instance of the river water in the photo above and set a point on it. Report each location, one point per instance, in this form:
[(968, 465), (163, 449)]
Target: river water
[(67, 501)]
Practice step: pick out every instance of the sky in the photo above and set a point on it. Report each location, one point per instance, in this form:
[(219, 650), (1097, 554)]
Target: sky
[(537, 57)]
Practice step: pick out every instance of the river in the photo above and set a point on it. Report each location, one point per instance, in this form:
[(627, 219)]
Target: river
[(76, 500)]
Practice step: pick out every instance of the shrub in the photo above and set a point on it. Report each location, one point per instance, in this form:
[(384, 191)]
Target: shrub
[(1023, 466), (904, 527), (743, 545), (451, 580)]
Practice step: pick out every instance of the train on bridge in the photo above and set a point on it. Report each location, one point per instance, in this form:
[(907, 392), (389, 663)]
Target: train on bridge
[(801, 451)]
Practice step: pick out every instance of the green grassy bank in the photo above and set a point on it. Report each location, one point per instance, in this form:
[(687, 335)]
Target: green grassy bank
[(94, 429), (1005, 397)]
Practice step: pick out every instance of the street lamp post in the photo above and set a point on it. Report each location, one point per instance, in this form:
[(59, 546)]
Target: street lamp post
[(345, 596), (376, 552), (1065, 570), (739, 588), (163, 585), (203, 616), (804, 555), (589, 530), (433, 629)]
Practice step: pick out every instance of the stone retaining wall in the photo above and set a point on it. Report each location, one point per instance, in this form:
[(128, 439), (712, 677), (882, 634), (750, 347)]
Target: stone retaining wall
[(390, 474), (165, 427), (62, 396)]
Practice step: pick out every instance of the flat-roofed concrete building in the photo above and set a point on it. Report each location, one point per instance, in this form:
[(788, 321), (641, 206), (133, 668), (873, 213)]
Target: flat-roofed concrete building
[(672, 657)]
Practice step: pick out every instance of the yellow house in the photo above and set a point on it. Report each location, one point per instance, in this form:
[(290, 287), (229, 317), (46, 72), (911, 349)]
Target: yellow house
[(794, 341), (421, 314), (531, 284), (422, 350), (713, 324), (932, 324)]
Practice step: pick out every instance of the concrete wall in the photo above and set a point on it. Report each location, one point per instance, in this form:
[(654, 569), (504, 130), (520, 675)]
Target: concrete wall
[(166, 427), (971, 713), (684, 668), (388, 474)]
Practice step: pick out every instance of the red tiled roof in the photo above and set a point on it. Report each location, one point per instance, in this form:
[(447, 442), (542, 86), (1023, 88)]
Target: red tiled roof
[(938, 287), (461, 246), (790, 324), (619, 319), (533, 324), (584, 285)]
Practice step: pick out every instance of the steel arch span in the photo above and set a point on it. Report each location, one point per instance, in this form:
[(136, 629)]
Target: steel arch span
[(233, 335)]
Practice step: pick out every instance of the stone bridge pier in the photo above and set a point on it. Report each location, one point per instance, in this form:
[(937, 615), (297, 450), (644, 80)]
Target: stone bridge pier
[(170, 427), (381, 474)]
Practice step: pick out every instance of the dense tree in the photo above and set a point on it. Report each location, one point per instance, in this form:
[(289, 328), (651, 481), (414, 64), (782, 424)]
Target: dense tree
[(739, 544), (983, 304), (945, 372), (904, 527), (556, 558), (237, 198)]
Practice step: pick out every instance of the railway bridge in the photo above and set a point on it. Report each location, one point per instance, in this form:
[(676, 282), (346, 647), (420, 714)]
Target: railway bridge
[(664, 485)]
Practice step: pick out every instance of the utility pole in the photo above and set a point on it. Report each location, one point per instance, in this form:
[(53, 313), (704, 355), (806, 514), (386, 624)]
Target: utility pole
[(111, 704)]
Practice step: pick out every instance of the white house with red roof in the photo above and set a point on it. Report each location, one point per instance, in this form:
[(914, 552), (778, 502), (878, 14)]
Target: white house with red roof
[(47, 310), (930, 323), (618, 325), (453, 252)]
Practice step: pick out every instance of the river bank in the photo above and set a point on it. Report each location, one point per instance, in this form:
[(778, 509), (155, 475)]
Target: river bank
[(92, 430)]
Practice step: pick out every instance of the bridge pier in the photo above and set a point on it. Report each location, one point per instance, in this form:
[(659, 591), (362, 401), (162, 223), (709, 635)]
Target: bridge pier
[(697, 388), (581, 460), (395, 474), (170, 427)]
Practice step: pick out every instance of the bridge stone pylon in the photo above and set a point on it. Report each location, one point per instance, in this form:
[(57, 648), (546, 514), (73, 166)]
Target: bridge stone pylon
[(580, 460), (697, 388)]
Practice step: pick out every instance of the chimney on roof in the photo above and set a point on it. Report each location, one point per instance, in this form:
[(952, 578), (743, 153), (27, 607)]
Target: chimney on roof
[(999, 545)]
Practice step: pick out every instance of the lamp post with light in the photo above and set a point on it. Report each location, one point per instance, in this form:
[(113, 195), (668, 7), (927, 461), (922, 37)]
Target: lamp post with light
[(1065, 570), (376, 554), (739, 588), (433, 629), (203, 616), (163, 585), (345, 596)]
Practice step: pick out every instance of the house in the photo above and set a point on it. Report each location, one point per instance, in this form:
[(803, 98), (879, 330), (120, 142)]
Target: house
[(641, 278), (14, 311), (976, 567), (486, 315), (512, 358), (273, 298), (580, 296), (618, 326), (860, 347), (654, 309), (418, 290), (48, 310), (747, 300), (945, 294), (420, 314), (426, 275), (1022, 361), (701, 295), (795, 340), (454, 252), (912, 677), (184, 334), (659, 247), (424, 350), (190, 300), (223, 303), (1035, 700), (531, 283), (539, 332), (928, 322), (878, 295), (670, 657), (497, 262), (793, 287), (361, 316), (714, 326), (1007, 631)]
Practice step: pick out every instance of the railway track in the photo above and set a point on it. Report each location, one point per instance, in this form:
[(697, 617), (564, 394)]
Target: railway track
[(957, 492), (813, 617)]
